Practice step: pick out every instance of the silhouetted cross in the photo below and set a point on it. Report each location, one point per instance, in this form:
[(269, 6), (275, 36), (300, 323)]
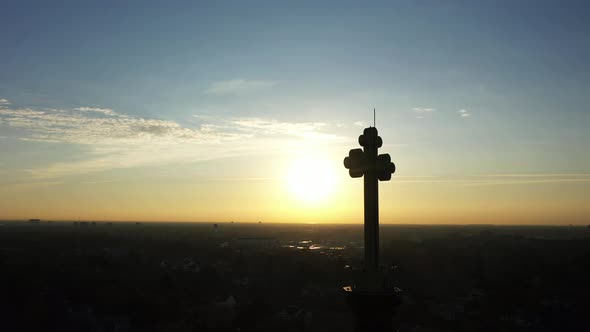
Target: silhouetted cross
[(374, 167)]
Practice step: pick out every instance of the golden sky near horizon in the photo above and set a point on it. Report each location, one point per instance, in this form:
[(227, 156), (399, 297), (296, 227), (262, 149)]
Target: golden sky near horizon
[(157, 195)]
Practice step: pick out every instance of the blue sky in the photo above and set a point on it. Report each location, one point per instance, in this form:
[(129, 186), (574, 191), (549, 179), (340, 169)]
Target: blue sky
[(91, 90)]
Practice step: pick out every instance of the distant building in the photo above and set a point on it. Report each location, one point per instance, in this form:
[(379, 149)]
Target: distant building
[(34, 221)]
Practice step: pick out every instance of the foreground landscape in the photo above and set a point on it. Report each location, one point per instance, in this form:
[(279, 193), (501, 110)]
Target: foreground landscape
[(86, 276)]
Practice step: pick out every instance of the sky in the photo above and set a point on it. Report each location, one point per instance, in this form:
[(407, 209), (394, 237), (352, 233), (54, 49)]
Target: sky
[(244, 110)]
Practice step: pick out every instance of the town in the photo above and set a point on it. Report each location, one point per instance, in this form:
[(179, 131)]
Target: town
[(116, 276)]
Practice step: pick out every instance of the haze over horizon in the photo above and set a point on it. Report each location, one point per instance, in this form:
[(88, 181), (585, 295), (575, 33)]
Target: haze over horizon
[(219, 111)]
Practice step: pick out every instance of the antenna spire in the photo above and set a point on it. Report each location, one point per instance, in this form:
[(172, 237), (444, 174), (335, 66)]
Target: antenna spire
[(374, 118)]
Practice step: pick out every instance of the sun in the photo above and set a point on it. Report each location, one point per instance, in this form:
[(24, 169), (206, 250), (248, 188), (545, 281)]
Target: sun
[(311, 179)]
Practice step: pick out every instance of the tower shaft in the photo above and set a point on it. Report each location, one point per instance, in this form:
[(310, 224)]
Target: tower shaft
[(371, 197)]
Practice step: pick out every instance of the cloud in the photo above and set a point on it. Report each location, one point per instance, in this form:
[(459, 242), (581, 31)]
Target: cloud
[(528, 178), (105, 111), (273, 127), (112, 140), (464, 113), (534, 181), (238, 86), (234, 179), (536, 175), (99, 126), (99, 181), (422, 111), (4, 101), (259, 127), (499, 179), (28, 185)]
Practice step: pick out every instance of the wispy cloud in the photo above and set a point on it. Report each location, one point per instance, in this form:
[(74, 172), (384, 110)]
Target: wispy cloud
[(422, 111), (527, 178), (4, 101), (29, 185), (534, 181), (273, 127), (464, 113), (105, 111), (536, 175), (99, 181), (114, 140), (483, 180), (234, 179), (259, 127), (99, 126), (238, 86)]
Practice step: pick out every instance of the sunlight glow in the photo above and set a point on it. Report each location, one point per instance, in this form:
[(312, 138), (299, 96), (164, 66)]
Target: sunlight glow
[(311, 179)]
